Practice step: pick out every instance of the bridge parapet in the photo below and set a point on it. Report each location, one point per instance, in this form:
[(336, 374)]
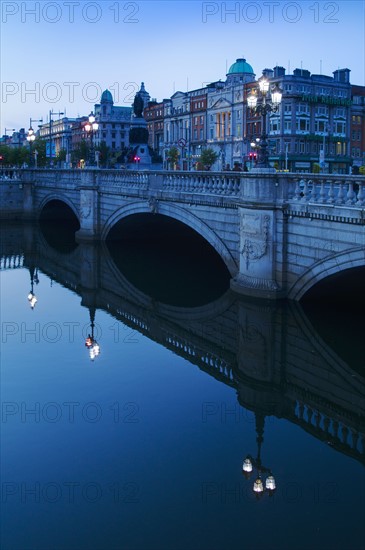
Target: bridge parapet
[(10, 174), (203, 182), (327, 189), (339, 434)]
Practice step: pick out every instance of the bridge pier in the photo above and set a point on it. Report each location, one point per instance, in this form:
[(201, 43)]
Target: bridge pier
[(260, 241), (89, 207)]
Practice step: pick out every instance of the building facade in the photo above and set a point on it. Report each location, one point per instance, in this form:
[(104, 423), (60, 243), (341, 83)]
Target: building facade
[(357, 130), (114, 123), (312, 126), (314, 129)]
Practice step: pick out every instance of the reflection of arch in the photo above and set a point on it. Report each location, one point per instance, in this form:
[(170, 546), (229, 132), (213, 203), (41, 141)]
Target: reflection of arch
[(179, 214), (325, 268), (173, 313), (59, 198), (317, 347)]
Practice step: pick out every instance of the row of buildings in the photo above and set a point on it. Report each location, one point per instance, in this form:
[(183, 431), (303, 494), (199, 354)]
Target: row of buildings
[(321, 120)]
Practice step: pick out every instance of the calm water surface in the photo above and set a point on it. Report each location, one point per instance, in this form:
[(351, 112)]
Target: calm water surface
[(142, 447)]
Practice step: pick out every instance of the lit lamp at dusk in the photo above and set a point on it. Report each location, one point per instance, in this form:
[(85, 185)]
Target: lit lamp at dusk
[(262, 102), (30, 139), (91, 127)]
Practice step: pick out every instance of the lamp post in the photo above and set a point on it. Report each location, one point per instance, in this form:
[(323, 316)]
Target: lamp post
[(9, 130), (31, 137), (51, 114), (250, 463), (263, 101), (91, 127), (222, 143)]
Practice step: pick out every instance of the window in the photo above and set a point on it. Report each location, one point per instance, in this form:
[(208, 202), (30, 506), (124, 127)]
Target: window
[(287, 125), (320, 126), (302, 125), (287, 109), (288, 87), (238, 130), (303, 108), (338, 148), (238, 115), (274, 124), (201, 134), (339, 127), (322, 111)]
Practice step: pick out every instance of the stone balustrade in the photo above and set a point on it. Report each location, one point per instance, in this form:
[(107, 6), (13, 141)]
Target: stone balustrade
[(334, 431), (334, 190), (10, 174), (13, 261), (320, 189), (192, 182)]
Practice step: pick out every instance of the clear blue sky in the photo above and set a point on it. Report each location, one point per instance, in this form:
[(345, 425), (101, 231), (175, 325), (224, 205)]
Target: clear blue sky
[(61, 54)]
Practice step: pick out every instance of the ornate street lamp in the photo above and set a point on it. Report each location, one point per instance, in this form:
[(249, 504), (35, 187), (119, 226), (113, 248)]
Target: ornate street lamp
[(263, 101), (30, 139), (250, 463), (90, 341), (91, 127)]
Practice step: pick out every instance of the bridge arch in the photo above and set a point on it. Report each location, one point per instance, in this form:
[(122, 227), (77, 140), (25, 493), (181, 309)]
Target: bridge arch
[(60, 198), (324, 268), (181, 215)]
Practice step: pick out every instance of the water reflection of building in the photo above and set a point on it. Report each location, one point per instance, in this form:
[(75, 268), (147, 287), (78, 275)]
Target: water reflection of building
[(270, 353)]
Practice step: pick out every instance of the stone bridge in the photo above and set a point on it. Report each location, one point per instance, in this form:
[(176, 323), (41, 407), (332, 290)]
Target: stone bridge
[(268, 351), (278, 233)]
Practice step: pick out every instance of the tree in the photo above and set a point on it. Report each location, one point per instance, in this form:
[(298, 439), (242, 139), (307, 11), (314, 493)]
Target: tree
[(208, 158), (173, 157), (362, 170), (316, 168), (104, 154), (81, 151), (61, 157)]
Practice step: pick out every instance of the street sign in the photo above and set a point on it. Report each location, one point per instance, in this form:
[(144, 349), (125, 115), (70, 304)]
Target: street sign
[(182, 142)]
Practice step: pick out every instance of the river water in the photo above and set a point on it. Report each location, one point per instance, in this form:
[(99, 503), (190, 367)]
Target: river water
[(138, 442)]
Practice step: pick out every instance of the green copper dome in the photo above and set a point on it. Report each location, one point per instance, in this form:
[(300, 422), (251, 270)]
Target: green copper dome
[(241, 66), (106, 97)]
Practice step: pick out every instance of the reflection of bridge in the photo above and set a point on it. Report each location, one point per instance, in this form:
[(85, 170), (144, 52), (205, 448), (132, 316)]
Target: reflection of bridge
[(270, 353), (278, 234)]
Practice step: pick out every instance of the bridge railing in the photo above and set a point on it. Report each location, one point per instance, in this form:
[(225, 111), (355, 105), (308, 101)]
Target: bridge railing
[(322, 189), (10, 174), (334, 431), (13, 261), (200, 182)]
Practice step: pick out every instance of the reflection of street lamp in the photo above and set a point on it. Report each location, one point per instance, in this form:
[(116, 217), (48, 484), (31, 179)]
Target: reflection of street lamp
[(250, 463), (262, 104), (90, 342), (91, 127), (33, 279)]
